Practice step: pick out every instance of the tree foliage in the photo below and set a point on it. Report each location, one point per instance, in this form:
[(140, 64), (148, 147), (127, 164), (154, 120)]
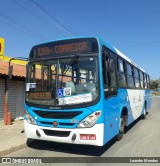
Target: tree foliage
[(155, 84)]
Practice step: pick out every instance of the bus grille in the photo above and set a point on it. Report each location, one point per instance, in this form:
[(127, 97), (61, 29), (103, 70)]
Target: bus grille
[(56, 133), (60, 124), (57, 115)]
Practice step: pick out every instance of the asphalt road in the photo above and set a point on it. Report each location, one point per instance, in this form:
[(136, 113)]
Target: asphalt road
[(142, 139)]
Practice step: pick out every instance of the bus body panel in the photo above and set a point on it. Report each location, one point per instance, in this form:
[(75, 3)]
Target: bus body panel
[(84, 112), (147, 98), (66, 122), (133, 100), (97, 130)]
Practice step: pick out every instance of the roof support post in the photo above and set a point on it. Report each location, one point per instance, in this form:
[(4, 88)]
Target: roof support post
[(6, 102)]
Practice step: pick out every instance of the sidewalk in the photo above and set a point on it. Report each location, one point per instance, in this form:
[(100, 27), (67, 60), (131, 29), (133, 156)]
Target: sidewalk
[(12, 137)]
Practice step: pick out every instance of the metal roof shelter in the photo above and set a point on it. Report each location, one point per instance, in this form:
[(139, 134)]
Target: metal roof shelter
[(11, 91)]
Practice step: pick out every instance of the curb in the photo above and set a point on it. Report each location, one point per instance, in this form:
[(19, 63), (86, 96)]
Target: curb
[(13, 149), (28, 143)]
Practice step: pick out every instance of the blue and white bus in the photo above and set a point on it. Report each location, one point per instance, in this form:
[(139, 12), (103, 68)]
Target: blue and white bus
[(82, 90)]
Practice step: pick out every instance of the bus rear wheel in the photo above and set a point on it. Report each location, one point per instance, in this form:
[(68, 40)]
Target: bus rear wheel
[(144, 113), (119, 136)]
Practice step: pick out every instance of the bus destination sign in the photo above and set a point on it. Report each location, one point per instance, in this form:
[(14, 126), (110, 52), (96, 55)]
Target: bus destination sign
[(65, 47)]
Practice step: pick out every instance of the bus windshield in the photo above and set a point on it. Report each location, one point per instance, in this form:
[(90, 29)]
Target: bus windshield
[(63, 81)]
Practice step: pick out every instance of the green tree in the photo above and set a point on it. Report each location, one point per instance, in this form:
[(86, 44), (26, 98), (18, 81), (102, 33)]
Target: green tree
[(154, 85)]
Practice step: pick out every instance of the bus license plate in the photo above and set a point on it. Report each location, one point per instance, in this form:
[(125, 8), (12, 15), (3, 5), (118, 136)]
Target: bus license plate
[(87, 137)]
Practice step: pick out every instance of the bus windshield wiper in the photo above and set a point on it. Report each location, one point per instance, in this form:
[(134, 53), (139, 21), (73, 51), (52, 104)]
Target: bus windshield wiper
[(68, 66)]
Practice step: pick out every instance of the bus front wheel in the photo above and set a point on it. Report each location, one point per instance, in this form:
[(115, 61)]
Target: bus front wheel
[(119, 136)]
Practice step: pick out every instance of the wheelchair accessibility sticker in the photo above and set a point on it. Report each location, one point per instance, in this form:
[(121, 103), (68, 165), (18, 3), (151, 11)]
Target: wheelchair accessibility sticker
[(64, 92)]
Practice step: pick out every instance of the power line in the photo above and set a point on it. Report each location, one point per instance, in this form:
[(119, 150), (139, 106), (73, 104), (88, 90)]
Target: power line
[(8, 23), (24, 28), (58, 22), (30, 11)]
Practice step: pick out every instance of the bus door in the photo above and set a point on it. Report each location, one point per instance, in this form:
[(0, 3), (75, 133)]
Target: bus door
[(111, 102)]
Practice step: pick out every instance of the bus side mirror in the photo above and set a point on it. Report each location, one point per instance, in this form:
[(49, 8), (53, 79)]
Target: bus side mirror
[(106, 54)]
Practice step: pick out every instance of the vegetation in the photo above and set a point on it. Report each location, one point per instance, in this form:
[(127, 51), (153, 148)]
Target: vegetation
[(155, 87)]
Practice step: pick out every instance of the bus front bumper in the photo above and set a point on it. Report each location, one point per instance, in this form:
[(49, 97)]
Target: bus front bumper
[(86, 136)]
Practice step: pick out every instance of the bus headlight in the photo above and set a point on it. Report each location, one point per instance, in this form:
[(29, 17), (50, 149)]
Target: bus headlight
[(29, 119), (90, 120)]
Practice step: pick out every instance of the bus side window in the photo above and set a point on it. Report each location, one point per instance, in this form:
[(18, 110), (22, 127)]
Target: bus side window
[(109, 76), (136, 78), (148, 82), (130, 78), (141, 80), (104, 66), (145, 81), (121, 74), (112, 73)]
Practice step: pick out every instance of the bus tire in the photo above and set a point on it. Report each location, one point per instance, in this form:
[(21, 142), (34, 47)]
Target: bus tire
[(31, 142), (144, 113), (119, 136)]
